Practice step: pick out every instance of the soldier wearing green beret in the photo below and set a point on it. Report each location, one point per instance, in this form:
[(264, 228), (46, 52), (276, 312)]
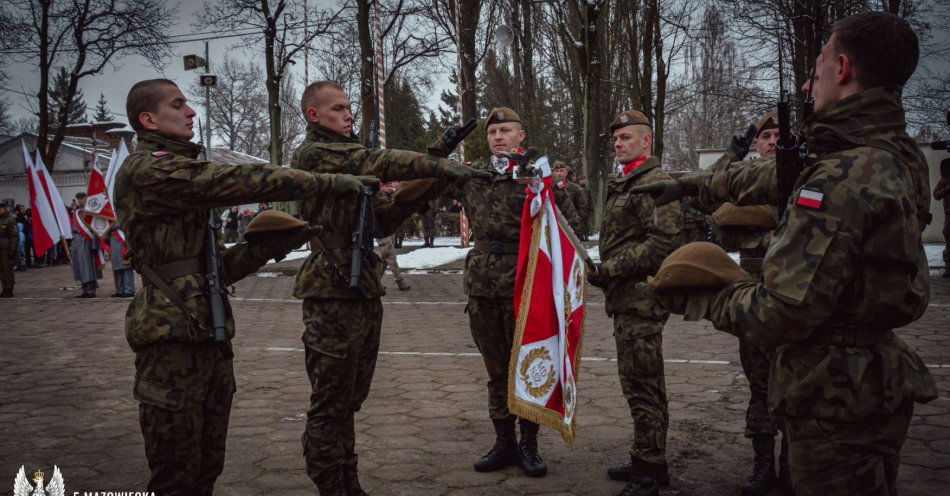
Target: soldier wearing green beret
[(635, 237), (163, 194), (846, 265), (342, 331)]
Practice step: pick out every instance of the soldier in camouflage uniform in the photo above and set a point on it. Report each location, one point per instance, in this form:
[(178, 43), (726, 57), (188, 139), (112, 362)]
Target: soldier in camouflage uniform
[(581, 200), (163, 194), (562, 195), (9, 244), (635, 237), (846, 264), (748, 230), (386, 247), (494, 206), (942, 193), (342, 327), (589, 193), (429, 230)]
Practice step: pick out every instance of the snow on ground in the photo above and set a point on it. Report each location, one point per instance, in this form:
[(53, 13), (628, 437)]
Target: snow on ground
[(447, 250)]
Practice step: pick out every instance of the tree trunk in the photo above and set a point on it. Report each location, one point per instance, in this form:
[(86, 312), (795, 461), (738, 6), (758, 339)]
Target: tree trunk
[(529, 86), (272, 83), (469, 10), (367, 64), (661, 76), (42, 95), (597, 172)]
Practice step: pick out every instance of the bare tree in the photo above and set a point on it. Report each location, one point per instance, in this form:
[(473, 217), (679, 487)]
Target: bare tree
[(238, 104), (83, 36), (280, 27)]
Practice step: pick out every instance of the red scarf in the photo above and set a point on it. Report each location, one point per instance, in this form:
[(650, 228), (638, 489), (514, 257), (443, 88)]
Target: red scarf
[(632, 166)]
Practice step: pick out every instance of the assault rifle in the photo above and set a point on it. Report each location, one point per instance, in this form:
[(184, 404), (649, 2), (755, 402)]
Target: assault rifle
[(788, 148), (217, 294), (362, 237), (372, 135)]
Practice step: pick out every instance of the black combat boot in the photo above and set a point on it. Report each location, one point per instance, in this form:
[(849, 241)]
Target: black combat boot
[(623, 473), (351, 481), (784, 471), (505, 451), (642, 481), (528, 457), (330, 482), (763, 478)]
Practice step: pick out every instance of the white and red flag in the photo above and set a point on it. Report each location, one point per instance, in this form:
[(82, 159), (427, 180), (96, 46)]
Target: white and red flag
[(550, 293), (53, 197), (46, 233), (98, 213)]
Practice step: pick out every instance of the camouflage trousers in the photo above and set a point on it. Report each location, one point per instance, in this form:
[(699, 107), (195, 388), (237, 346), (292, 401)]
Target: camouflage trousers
[(6, 269), (832, 458), (640, 366), (387, 254), (341, 344), (492, 322), (184, 392), (757, 363)]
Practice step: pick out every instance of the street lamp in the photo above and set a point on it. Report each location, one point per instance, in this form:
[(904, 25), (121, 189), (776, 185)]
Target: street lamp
[(209, 81)]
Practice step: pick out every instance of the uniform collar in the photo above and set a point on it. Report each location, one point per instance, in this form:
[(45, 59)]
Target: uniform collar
[(649, 163), (322, 134), (876, 113), (153, 142)]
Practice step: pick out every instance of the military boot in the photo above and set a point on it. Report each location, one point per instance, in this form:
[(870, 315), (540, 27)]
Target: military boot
[(763, 468), (330, 482), (784, 470), (505, 451), (624, 473), (528, 457), (351, 481), (642, 481)]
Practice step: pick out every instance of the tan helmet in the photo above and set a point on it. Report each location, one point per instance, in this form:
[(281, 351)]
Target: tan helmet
[(757, 216), (697, 265), (272, 223)]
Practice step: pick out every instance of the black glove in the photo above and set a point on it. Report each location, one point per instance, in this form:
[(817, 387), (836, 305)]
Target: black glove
[(452, 137), (598, 277), (739, 147)]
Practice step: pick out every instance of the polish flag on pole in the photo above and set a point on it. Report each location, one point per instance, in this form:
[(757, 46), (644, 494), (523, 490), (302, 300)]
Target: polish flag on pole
[(98, 213), (550, 294), (54, 198), (45, 231)]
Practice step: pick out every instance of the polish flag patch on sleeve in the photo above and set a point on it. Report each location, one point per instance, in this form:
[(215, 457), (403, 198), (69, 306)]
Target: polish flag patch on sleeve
[(809, 198)]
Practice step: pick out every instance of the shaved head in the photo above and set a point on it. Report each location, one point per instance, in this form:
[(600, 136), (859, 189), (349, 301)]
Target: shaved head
[(312, 93), (145, 96)]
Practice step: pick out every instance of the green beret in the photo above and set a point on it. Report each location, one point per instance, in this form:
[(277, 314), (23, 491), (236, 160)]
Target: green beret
[(697, 265), (272, 224), (629, 118), (502, 114)]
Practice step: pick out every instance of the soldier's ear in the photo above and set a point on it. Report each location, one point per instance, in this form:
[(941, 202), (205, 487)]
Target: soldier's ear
[(148, 121), (311, 115)]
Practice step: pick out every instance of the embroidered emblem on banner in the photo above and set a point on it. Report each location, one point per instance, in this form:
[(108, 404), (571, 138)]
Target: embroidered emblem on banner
[(538, 373), (810, 198)]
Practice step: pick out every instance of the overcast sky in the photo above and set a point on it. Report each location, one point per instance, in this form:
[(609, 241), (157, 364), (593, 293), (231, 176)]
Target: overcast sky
[(115, 81)]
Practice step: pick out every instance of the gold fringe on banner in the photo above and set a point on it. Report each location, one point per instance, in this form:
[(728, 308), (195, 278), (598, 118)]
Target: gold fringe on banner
[(517, 406)]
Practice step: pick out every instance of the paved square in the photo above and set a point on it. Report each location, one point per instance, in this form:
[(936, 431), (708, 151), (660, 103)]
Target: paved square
[(66, 381)]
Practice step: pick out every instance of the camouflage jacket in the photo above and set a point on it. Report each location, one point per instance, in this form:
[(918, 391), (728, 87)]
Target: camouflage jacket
[(942, 192), (635, 237), (565, 203), (847, 253), (162, 199), (581, 203), (9, 234), (493, 207), (325, 273)]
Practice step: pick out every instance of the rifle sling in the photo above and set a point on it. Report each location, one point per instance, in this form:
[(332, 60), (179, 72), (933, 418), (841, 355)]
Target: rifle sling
[(159, 276)]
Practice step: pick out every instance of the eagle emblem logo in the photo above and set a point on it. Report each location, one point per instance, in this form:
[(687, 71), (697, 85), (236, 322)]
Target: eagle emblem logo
[(500, 115), (22, 486), (624, 119)]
